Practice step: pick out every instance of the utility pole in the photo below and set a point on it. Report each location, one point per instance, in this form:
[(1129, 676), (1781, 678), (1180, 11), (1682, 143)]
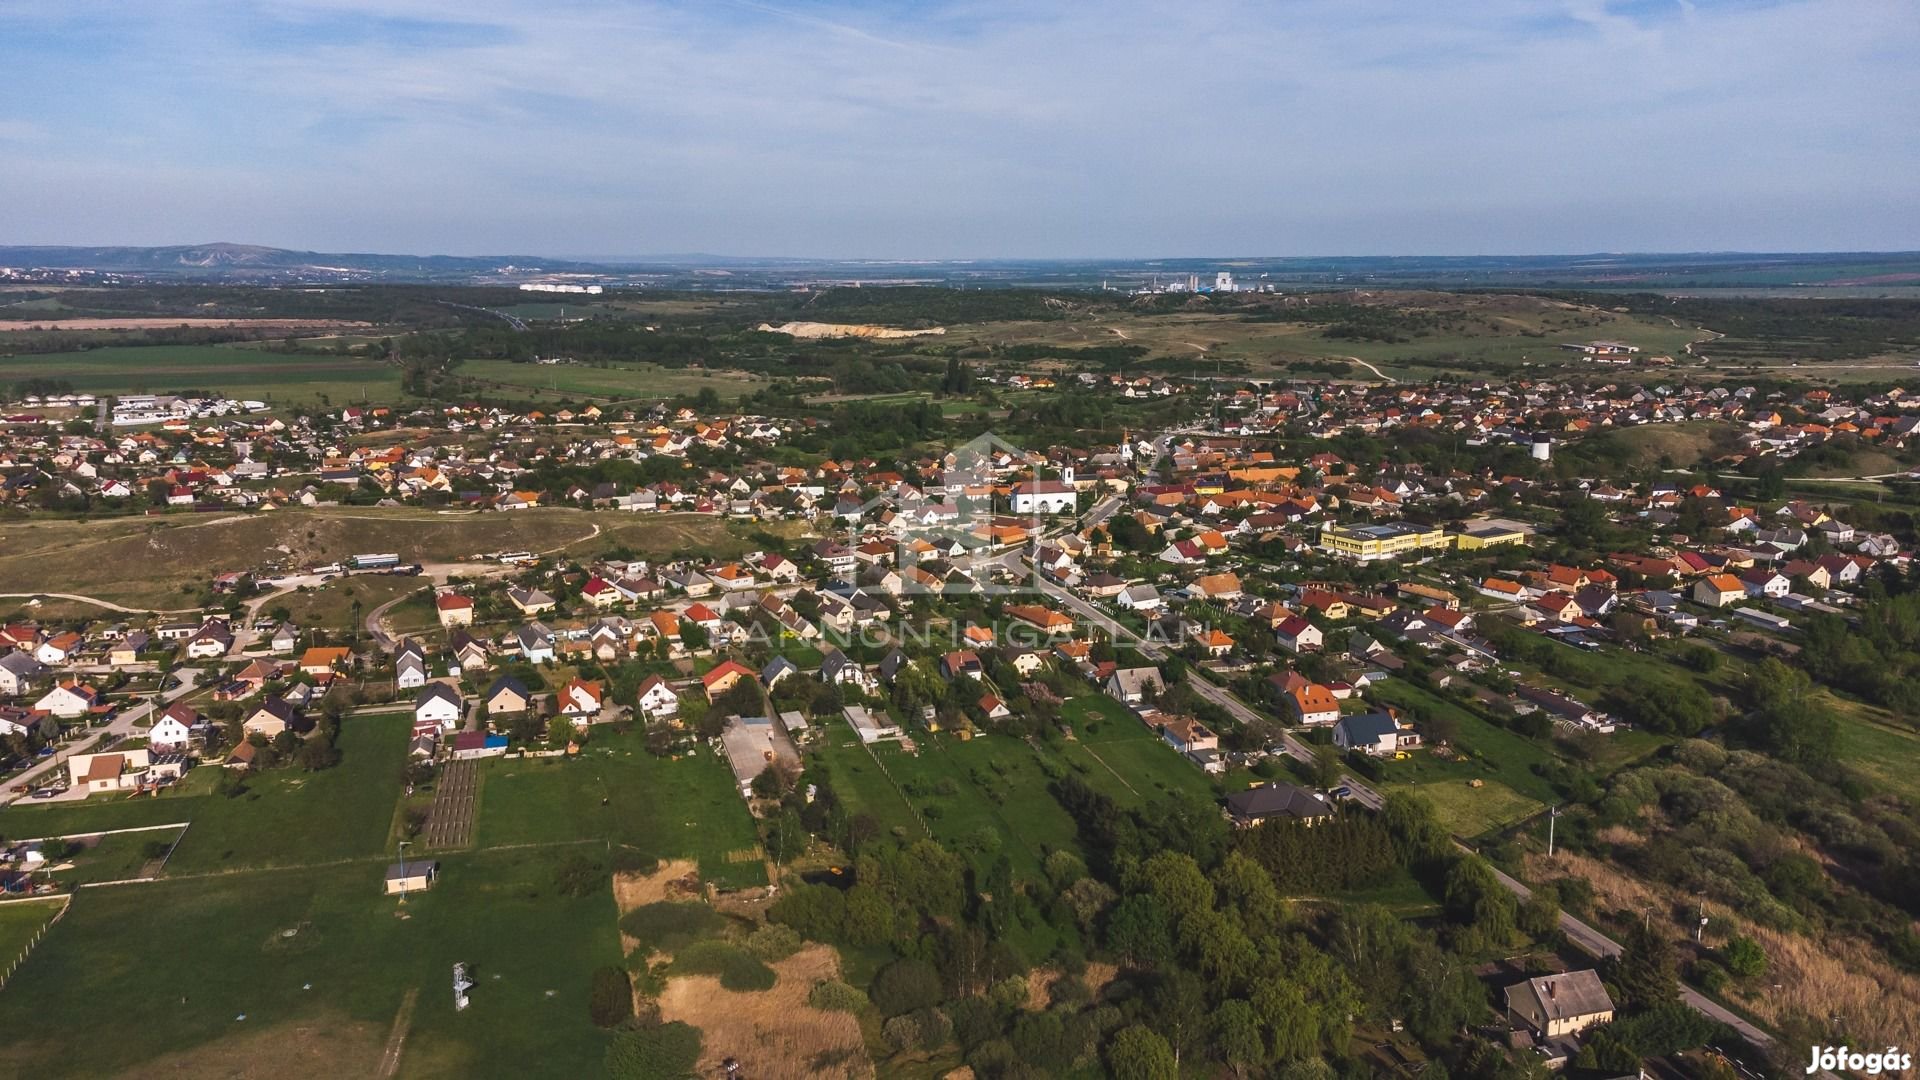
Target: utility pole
[(1553, 813), (403, 871)]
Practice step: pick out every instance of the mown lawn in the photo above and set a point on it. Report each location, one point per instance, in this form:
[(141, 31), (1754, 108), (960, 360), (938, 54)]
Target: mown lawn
[(27, 820), (616, 791), (227, 976), (290, 817), (115, 858), (1471, 811), (18, 923), (858, 780)]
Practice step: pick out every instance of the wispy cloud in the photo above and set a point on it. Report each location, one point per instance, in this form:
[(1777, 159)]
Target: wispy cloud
[(965, 128)]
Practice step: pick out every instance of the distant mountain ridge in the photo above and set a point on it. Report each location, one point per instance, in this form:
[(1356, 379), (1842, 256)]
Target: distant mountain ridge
[(240, 260), (1894, 273)]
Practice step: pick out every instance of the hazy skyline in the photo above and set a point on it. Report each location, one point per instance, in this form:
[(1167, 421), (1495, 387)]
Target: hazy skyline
[(965, 129)]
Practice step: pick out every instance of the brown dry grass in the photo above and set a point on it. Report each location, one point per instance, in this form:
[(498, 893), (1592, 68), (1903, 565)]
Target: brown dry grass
[(632, 890), (144, 562), (1097, 976), (327, 1046), (773, 1034), (1831, 976)]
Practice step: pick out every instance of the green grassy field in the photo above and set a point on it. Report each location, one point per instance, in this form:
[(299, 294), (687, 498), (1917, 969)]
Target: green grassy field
[(1500, 759), (1873, 743), (1107, 731), (27, 820), (18, 923), (1471, 811), (662, 808), (289, 817), (115, 858), (201, 979), (236, 371), (859, 782), (644, 382)]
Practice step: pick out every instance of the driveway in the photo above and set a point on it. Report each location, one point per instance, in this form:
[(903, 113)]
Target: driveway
[(122, 725)]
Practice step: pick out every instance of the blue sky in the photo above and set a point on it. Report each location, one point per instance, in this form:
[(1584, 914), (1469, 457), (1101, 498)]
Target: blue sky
[(967, 129)]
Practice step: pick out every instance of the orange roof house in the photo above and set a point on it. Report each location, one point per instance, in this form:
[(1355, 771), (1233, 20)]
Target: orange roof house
[(723, 677)]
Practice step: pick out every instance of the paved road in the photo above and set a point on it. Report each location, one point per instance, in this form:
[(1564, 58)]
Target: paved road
[(1601, 947), (1585, 937), (121, 725), (1100, 511)]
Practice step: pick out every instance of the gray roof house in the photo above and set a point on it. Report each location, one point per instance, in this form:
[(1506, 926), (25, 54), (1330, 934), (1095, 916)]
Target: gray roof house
[(1277, 801)]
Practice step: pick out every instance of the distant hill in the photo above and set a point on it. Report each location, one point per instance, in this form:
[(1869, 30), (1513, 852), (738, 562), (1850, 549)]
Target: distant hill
[(1856, 274), (249, 260)]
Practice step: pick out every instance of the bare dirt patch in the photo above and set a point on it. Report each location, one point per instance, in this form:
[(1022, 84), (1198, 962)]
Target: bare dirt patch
[(678, 879), (1097, 976), (772, 1033), (326, 1046)]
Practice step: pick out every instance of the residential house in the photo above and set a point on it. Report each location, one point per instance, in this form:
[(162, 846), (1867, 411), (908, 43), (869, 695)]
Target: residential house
[(657, 699), (963, 662), (723, 676), (439, 704), (275, 715), (19, 672), (69, 700), (1135, 685), (1719, 590), (506, 696), (1278, 802), (530, 601), (174, 729), (840, 670), (58, 649), (325, 660), (1314, 705), (580, 701), (1376, 734), (454, 609), (1559, 1006), (1295, 634)]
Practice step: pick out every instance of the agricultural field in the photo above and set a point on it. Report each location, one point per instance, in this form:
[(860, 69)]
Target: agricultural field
[(238, 372), (615, 791), (307, 972), (621, 382), (288, 817)]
